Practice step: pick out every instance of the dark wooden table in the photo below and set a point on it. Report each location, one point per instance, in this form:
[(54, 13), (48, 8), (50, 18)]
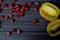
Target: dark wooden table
[(30, 32)]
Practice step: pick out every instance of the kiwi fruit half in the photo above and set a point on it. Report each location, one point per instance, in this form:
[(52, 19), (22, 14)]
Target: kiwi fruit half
[(53, 28), (49, 11)]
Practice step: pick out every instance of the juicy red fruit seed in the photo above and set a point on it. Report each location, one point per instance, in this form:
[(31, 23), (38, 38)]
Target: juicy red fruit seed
[(13, 29), (12, 20), (0, 9), (24, 4), (34, 21), (19, 31), (37, 3), (35, 9), (31, 3), (12, 10), (14, 0), (26, 8), (17, 15), (4, 5), (11, 15), (7, 17), (21, 14), (9, 33), (1, 16), (17, 9)]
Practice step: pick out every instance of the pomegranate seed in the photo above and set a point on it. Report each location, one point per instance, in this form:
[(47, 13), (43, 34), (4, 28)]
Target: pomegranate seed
[(19, 31), (4, 5), (0, 25), (0, 9), (34, 21), (14, 0), (12, 4), (11, 15), (7, 17), (12, 20), (26, 8), (21, 14), (31, 3), (1, 16), (35, 8), (24, 4), (17, 15), (12, 10), (1, 0), (17, 9), (13, 29), (37, 3), (9, 33)]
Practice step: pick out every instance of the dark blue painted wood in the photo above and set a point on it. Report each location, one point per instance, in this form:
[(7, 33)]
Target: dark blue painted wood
[(30, 32)]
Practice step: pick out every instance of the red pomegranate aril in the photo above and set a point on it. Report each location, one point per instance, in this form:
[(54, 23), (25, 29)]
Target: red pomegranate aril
[(31, 3), (11, 15), (0, 9), (26, 8), (19, 31), (17, 9), (4, 5), (1, 16), (34, 21), (12, 20), (13, 29), (7, 17), (1, 0), (35, 9), (12, 10), (17, 15), (21, 14), (9, 33), (24, 4), (14, 0), (37, 3)]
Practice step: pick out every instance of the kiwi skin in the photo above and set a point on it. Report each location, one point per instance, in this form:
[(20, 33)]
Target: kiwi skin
[(48, 17), (49, 27)]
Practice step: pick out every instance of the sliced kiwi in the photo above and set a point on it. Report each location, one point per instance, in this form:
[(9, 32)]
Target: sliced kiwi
[(49, 11), (53, 28)]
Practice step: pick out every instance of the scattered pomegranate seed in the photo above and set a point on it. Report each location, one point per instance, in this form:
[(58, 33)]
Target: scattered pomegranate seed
[(19, 31), (0, 25), (12, 20), (7, 17), (0, 9), (13, 29), (17, 15), (24, 4), (11, 15), (31, 3), (26, 8), (17, 9), (37, 3), (12, 10), (21, 14), (9, 33), (34, 21), (14, 0), (35, 8), (1, 0), (4, 5), (1, 16), (22, 10)]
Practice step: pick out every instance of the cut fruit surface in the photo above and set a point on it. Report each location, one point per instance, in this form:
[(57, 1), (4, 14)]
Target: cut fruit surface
[(49, 11), (53, 28)]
